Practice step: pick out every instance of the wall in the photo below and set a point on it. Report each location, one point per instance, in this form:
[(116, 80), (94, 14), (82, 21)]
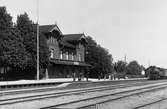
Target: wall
[(64, 71), (53, 44), (80, 50)]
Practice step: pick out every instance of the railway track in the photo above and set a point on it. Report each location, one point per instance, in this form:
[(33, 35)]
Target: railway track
[(53, 94), (43, 89), (151, 103), (78, 91), (94, 101), (52, 88)]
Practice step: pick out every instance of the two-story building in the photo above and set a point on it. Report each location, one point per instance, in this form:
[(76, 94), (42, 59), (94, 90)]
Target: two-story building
[(67, 53)]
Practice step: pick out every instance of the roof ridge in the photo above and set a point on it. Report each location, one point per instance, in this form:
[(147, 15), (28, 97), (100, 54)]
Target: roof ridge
[(74, 34), (48, 25)]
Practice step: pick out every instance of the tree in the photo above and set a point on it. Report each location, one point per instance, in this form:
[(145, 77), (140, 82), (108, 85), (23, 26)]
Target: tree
[(15, 53), (5, 29), (91, 57), (28, 32), (25, 26), (99, 58), (133, 68), (104, 65), (120, 67), (13, 56)]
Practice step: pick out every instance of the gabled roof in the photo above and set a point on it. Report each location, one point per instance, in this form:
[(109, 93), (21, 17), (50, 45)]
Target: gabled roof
[(72, 37), (66, 39), (49, 28), (64, 43)]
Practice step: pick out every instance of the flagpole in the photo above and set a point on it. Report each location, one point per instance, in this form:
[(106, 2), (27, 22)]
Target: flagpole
[(37, 40)]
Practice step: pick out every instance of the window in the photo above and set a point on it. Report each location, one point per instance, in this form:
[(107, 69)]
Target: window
[(52, 40), (52, 53), (66, 55), (61, 55), (79, 57), (72, 56)]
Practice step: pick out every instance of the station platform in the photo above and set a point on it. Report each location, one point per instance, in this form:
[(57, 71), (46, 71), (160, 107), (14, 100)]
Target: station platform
[(62, 80), (57, 80)]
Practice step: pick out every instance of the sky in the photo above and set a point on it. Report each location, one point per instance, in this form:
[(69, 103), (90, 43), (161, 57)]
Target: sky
[(135, 28)]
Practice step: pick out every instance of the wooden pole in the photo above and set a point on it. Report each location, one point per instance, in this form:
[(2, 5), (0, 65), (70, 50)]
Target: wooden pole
[(37, 40)]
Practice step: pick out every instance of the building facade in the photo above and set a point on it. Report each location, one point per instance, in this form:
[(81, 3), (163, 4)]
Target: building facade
[(67, 53)]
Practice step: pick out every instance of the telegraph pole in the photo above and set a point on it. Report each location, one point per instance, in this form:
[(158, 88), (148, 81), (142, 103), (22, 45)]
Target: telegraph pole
[(37, 40)]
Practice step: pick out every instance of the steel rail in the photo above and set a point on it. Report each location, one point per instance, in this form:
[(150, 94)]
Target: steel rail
[(151, 103), (20, 91), (146, 89), (66, 93)]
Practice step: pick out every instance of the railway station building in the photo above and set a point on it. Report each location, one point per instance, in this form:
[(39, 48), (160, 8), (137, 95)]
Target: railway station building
[(67, 53)]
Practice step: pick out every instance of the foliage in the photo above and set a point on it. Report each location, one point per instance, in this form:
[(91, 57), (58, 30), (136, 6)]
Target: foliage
[(5, 29), (12, 52), (134, 68), (15, 53), (25, 26), (18, 46), (99, 58), (120, 67), (28, 32)]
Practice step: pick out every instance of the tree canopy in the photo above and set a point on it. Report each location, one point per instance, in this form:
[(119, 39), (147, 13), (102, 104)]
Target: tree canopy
[(99, 58), (18, 45), (5, 34), (134, 68), (28, 31), (25, 26), (120, 67)]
